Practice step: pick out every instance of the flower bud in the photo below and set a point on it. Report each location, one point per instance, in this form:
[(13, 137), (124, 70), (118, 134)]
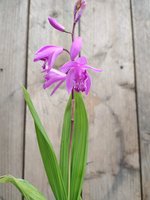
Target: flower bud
[(55, 24), (78, 9)]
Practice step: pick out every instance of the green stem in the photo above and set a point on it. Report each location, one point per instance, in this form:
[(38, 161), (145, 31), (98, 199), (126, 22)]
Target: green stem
[(72, 125)]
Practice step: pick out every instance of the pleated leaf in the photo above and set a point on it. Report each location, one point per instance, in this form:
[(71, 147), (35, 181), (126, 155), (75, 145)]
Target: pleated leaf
[(47, 153), (26, 189), (79, 148), (65, 141)]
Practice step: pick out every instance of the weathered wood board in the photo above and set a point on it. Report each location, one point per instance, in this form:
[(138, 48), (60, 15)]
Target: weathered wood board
[(116, 39), (141, 25), (113, 169), (50, 109), (13, 29)]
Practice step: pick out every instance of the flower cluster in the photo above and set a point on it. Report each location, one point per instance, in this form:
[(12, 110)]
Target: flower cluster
[(74, 72)]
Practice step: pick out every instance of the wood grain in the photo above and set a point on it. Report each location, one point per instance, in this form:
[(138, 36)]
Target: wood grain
[(113, 171), (113, 168), (50, 109), (141, 26), (13, 28)]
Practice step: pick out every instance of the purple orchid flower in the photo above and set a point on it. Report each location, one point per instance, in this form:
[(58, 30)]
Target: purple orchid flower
[(78, 10), (78, 79), (55, 24), (74, 52), (73, 72), (48, 54), (77, 75)]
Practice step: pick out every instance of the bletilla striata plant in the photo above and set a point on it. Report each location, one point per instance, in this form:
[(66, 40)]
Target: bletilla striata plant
[(66, 175)]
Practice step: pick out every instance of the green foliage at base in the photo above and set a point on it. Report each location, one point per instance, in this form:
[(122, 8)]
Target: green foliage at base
[(66, 177), (26, 189)]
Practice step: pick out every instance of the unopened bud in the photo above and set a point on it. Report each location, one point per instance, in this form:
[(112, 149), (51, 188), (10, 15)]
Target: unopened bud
[(55, 24), (78, 9)]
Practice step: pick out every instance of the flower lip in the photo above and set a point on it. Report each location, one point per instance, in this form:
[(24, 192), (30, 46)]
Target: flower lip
[(79, 80), (55, 24)]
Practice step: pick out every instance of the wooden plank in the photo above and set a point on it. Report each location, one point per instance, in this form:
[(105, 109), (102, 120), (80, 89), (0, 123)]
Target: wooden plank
[(50, 109), (13, 25), (113, 169), (141, 16)]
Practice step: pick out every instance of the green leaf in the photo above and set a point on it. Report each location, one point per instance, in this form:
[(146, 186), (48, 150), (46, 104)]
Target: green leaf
[(47, 153), (79, 147), (27, 190), (65, 140)]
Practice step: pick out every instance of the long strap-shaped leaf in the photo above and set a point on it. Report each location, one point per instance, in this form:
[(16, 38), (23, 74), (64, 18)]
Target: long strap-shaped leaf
[(26, 189), (47, 153), (79, 149), (65, 141)]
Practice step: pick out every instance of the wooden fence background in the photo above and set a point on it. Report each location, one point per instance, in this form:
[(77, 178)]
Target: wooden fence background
[(116, 35)]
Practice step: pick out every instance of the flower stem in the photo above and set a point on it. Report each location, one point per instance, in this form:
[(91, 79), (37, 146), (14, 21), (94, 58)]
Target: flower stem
[(67, 51), (73, 31), (68, 32), (72, 125)]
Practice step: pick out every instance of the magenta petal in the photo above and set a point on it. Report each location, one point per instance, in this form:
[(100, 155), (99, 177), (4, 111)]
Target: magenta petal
[(53, 76), (48, 83), (82, 60), (70, 81), (57, 86), (53, 57), (88, 84), (76, 48), (54, 73), (55, 24), (43, 52), (92, 68), (51, 81), (66, 67), (44, 48)]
